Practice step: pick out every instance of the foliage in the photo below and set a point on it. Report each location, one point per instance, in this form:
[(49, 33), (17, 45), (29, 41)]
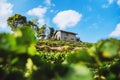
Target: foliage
[(41, 30), (51, 32), (20, 60), (15, 49), (57, 43), (34, 24), (45, 30), (18, 20)]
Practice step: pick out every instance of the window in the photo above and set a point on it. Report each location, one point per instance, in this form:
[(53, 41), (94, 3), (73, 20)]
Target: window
[(72, 39), (66, 34), (65, 38)]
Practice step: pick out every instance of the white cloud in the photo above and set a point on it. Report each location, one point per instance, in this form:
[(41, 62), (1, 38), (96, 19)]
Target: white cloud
[(68, 18), (110, 1), (108, 4), (118, 2), (93, 26), (105, 6), (41, 11), (116, 32), (48, 2), (51, 10), (5, 12), (38, 12)]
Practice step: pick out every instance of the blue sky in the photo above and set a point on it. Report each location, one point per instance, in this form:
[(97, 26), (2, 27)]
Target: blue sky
[(93, 20)]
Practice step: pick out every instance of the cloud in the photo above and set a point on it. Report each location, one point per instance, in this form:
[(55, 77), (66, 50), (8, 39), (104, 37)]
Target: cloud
[(116, 32), (108, 4), (38, 12), (105, 6), (68, 18), (5, 12), (93, 26), (118, 2), (110, 1), (48, 2), (41, 11)]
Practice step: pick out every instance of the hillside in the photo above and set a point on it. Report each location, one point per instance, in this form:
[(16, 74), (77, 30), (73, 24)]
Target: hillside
[(57, 45)]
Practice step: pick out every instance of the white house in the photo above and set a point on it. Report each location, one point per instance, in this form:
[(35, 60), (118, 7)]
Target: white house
[(42, 36), (64, 35)]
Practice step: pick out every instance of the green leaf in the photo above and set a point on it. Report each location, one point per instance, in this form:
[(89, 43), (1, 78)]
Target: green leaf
[(77, 56), (13, 61), (20, 49), (109, 49), (32, 50), (7, 41), (78, 72), (28, 36)]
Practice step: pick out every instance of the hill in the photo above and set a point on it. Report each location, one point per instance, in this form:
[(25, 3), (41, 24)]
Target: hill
[(57, 45)]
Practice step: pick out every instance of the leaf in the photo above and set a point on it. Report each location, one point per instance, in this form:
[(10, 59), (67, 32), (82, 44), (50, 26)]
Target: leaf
[(108, 49), (78, 72), (77, 56), (28, 36), (7, 41), (32, 50), (13, 61)]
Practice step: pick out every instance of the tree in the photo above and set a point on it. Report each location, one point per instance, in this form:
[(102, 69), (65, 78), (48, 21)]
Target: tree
[(51, 32), (34, 24), (16, 20), (46, 31), (41, 30)]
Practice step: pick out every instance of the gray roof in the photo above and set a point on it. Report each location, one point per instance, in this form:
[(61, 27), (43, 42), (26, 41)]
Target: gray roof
[(66, 32)]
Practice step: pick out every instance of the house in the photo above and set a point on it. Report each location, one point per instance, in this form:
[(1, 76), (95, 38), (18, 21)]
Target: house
[(42, 36), (65, 35)]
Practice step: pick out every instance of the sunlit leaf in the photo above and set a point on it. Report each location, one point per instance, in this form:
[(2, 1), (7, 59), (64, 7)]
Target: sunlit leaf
[(28, 36), (78, 72), (109, 49), (32, 50), (81, 55), (7, 41)]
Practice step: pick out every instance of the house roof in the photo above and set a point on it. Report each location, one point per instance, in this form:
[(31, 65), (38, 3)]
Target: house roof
[(42, 34), (66, 32)]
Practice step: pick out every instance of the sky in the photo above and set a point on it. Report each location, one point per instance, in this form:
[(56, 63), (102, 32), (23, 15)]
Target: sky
[(92, 20)]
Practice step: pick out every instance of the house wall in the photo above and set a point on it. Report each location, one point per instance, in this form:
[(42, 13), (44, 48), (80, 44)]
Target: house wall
[(65, 36), (72, 37), (58, 35), (68, 36)]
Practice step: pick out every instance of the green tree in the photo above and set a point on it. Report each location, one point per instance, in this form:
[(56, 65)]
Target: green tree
[(34, 24), (16, 20), (41, 30), (51, 32)]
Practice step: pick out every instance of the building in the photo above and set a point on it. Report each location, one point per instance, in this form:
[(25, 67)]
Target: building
[(64, 35), (42, 36)]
